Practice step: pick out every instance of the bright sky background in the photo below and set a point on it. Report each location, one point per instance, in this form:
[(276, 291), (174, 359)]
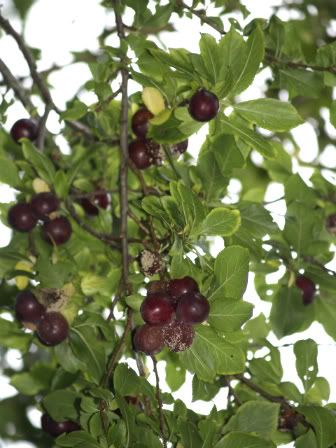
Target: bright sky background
[(59, 27)]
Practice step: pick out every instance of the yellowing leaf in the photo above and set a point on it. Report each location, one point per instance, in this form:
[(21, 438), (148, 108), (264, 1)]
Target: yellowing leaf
[(162, 117), (22, 281), (153, 100), (40, 186)]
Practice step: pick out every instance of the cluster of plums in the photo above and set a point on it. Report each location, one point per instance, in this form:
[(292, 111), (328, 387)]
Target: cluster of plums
[(51, 326), (143, 152), (24, 216), (308, 288), (170, 310)]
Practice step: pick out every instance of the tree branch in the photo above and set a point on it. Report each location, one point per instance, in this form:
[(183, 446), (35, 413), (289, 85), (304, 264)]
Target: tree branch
[(12, 83), (42, 128), (38, 80), (123, 173), (231, 391), (5, 24), (274, 399), (100, 236), (300, 65), (159, 400), (269, 57)]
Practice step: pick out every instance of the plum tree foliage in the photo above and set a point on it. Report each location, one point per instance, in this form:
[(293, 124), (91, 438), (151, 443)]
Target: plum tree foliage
[(111, 269)]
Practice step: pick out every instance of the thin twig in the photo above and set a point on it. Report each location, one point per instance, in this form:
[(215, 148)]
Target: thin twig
[(203, 18), (42, 128), (138, 222), (312, 260), (117, 350), (263, 393), (100, 236), (231, 391), (159, 400), (19, 91), (300, 65), (140, 177), (103, 103), (103, 417)]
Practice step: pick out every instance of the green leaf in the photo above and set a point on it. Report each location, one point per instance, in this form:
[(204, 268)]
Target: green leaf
[(39, 161), (326, 313), (191, 206), (256, 219), (96, 284), (23, 6), (86, 347), (323, 422), (241, 440), (301, 82), (252, 57), (210, 56), (257, 417), (124, 380), (189, 433), (202, 390), (296, 190), (221, 221), (129, 419), (231, 271), (269, 113), (12, 336), (9, 173), (61, 185), (227, 315), (61, 404), (211, 354), (127, 382), (177, 128), (160, 18), (319, 391), (306, 361), (249, 137), (268, 370), (76, 111), (307, 440), (289, 314), (302, 226), (175, 373), (53, 275), (79, 439), (37, 380)]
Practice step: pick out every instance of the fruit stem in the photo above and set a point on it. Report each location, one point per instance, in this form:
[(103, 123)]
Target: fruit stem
[(159, 400)]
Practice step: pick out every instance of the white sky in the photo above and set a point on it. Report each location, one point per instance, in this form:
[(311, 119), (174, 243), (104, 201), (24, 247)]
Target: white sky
[(58, 28)]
